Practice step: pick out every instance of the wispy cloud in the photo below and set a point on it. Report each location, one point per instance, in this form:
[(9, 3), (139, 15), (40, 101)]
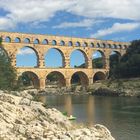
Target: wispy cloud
[(87, 23), (28, 12), (25, 51), (116, 28)]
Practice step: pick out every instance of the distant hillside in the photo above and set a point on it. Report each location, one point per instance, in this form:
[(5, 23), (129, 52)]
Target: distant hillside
[(96, 63)]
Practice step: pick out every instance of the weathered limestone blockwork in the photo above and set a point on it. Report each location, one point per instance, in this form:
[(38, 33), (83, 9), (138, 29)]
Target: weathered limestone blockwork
[(65, 45)]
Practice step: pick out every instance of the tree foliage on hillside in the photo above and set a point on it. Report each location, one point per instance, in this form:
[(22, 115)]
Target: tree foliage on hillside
[(7, 72), (129, 65)]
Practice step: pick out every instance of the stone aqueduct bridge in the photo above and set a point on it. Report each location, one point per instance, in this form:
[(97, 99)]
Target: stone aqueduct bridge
[(13, 42)]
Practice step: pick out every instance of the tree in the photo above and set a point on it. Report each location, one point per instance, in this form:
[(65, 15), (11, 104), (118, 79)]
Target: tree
[(129, 65), (7, 72)]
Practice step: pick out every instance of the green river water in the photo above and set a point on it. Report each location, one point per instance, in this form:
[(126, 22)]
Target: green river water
[(121, 115)]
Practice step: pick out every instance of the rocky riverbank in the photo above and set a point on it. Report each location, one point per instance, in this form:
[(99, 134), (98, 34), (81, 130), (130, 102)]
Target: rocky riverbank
[(21, 118), (121, 87)]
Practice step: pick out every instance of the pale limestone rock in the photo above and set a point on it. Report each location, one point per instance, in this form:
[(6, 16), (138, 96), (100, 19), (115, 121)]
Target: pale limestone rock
[(19, 120), (25, 101)]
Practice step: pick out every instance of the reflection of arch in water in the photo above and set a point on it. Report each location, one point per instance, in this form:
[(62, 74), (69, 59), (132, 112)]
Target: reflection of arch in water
[(90, 110), (29, 79), (56, 78), (99, 76), (68, 104), (79, 78)]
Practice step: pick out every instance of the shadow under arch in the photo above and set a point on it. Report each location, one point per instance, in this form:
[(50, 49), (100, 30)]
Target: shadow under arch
[(29, 79), (79, 78), (84, 55), (99, 76), (27, 54), (60, 60), (114, 58), (56, 78)]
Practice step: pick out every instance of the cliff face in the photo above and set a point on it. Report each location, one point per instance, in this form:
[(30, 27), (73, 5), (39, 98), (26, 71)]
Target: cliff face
[(22, 118)]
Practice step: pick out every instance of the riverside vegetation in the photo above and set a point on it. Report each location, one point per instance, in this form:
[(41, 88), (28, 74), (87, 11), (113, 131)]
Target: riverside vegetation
[(124, 77)]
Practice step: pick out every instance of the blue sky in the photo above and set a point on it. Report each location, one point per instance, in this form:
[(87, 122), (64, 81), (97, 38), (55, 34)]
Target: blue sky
[(104, 19)]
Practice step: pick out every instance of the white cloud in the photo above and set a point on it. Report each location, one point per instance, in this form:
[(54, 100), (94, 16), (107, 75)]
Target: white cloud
[(30, 11), (123, 9), (25, 51), (6, 23), (25, 11), (116, 28), (84, 23), (95, 55)]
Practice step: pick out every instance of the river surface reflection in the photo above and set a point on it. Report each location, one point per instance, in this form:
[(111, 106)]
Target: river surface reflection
[(121, 115)]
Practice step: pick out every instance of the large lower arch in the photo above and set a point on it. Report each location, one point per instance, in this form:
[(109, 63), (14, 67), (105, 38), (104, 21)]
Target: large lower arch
[(29, 79), (98, 76), (56, 78), (27, 57), (54, 58), (79, 78), (78, 59)]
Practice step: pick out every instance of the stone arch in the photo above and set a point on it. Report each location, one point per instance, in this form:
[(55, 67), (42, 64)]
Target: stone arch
[(79, 78), (120, 46), (98, 59), (56, 78), (36, 41), (85, 44), (62, 43), (7, 39), (54, 42), (117, 52), (70, 43), (29, 79), (98, 45), (27, 56), (45, 42), (17, 40), (104, 45), (125, 46), (27, 40), (110, 46), (114, 58), (84, 55), (77, 44), (60, 56), (91, 44), (99, 76), (114, 46)]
